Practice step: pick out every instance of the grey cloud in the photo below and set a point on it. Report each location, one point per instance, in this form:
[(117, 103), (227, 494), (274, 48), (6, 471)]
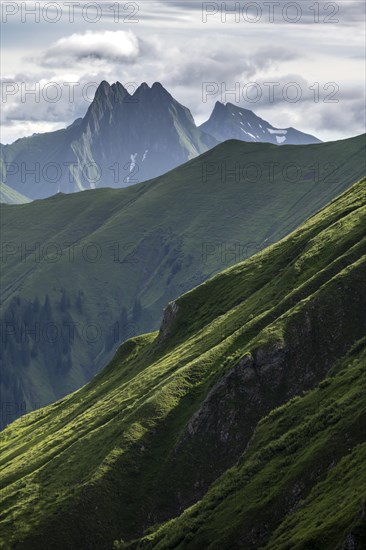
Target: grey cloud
[(334, 12), (350, 116), (185, 55)]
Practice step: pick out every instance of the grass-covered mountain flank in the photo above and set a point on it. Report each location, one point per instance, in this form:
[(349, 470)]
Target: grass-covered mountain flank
[(85, 271), (248, 404), (301, 483)]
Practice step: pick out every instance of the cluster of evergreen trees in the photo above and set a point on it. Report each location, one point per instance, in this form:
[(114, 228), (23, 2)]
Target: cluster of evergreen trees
[(124, 326), (30, 329), (44, 334)]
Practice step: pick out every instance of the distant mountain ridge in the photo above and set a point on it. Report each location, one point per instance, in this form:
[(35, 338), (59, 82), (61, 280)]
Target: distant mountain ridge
[(125, 139), (232, 122)]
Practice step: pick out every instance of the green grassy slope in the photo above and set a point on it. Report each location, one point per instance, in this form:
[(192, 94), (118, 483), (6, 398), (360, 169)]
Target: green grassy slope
[(175, 410), (100, 251), (10, 196), (301, 484)]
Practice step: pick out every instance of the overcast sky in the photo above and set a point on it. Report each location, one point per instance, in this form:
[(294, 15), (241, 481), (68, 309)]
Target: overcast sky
[(297, 64)]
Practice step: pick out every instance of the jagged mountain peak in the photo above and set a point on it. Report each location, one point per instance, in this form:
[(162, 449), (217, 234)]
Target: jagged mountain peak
[(143, 89), (158, 85), (156, 91), (113, 93), (119, 90), (103, 89), (230, 109), (229, 121)]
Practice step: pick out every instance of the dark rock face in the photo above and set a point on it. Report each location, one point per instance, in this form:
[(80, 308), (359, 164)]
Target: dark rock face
[(166, 324), (356, 538), (220, 430)]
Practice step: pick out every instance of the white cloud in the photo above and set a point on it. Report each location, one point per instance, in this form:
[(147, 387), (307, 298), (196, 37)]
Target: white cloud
[(112, 46)]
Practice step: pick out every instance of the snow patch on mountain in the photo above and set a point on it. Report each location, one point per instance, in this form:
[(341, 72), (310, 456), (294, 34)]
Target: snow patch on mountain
[(280, 139), (133, 161), (271, 131)]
